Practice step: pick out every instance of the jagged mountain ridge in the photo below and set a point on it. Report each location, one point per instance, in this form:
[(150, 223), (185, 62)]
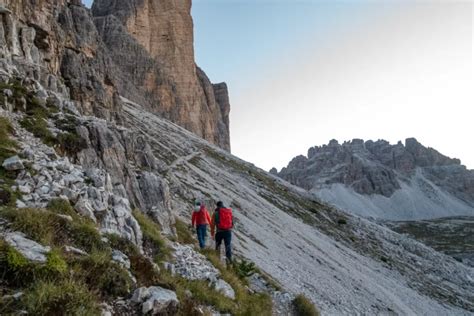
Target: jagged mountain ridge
[(396, 182), (346, 265)]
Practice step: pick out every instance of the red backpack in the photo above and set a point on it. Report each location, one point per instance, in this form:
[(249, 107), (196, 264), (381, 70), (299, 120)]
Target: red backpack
[(224, 219)]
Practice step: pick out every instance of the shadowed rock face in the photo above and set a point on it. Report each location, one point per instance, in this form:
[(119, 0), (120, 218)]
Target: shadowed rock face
[(151, 41)]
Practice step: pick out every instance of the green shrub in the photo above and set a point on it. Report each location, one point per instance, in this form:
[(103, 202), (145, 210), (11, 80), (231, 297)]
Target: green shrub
[(244, 268), (304, 307), (68, 297)]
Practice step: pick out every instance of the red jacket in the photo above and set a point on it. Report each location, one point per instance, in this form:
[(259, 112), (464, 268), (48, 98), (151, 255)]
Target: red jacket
[(201, 217)]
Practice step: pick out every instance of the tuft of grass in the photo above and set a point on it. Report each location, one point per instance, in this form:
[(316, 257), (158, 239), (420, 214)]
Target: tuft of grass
[(142, 268), (7, 145), (62, 206), (103, 275), (47, 228), (38, 126), (68, 297), (304, 307), (152, 236), (70, 143), (184, 232), (55, 263)]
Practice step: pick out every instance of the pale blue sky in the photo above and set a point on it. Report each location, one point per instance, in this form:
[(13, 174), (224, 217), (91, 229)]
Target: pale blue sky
[(303, 72)]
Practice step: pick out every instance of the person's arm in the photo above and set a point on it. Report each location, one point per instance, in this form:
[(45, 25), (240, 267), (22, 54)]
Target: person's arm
[(208, 218), (193, 220)]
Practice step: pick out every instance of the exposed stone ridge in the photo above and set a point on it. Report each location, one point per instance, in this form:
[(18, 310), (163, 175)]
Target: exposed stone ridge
[(160, 60), (378, 168)]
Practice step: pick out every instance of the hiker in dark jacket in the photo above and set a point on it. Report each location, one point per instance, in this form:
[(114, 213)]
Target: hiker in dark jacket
[(201, 220), (222, 220)]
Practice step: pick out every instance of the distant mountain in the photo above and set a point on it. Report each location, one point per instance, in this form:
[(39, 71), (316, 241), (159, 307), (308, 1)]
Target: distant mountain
[(396, 182)]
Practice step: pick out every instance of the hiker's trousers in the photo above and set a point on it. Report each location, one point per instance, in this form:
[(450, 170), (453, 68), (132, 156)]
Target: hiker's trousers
[(202, 234), (225, 235)]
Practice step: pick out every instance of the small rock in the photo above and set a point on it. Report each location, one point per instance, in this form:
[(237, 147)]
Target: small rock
[(13, 163), (24, 189), (84, 208), (75, 250), (224, 288), (20, 204), (121, 258), (156, 299)]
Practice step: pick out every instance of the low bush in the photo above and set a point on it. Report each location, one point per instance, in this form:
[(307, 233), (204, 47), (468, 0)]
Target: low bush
[(70, 143), (304, 307)]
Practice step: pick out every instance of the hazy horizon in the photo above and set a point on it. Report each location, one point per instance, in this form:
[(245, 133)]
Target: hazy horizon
[(301, 73)]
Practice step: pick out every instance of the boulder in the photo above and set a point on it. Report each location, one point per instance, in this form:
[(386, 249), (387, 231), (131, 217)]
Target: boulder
[(156, 300), (84, 207), (30, 249), (13, 163)]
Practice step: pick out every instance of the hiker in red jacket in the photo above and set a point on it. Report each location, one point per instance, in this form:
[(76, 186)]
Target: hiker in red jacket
[(223, 220), (201, 220)]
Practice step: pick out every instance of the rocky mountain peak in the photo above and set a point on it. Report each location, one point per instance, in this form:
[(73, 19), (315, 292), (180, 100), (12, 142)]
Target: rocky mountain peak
[(379, 169)]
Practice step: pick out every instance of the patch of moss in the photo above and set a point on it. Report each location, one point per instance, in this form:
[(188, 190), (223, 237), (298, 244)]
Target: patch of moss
[(15, 260), (55, 263), (304, 307)]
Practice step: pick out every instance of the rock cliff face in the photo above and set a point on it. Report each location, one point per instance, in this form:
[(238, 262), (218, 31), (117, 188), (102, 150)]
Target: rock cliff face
[(117, 53), (164, 68), (390, 181)]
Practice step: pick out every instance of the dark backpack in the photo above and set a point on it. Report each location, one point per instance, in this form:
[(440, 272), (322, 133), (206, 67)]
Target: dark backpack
[(224, 218)]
